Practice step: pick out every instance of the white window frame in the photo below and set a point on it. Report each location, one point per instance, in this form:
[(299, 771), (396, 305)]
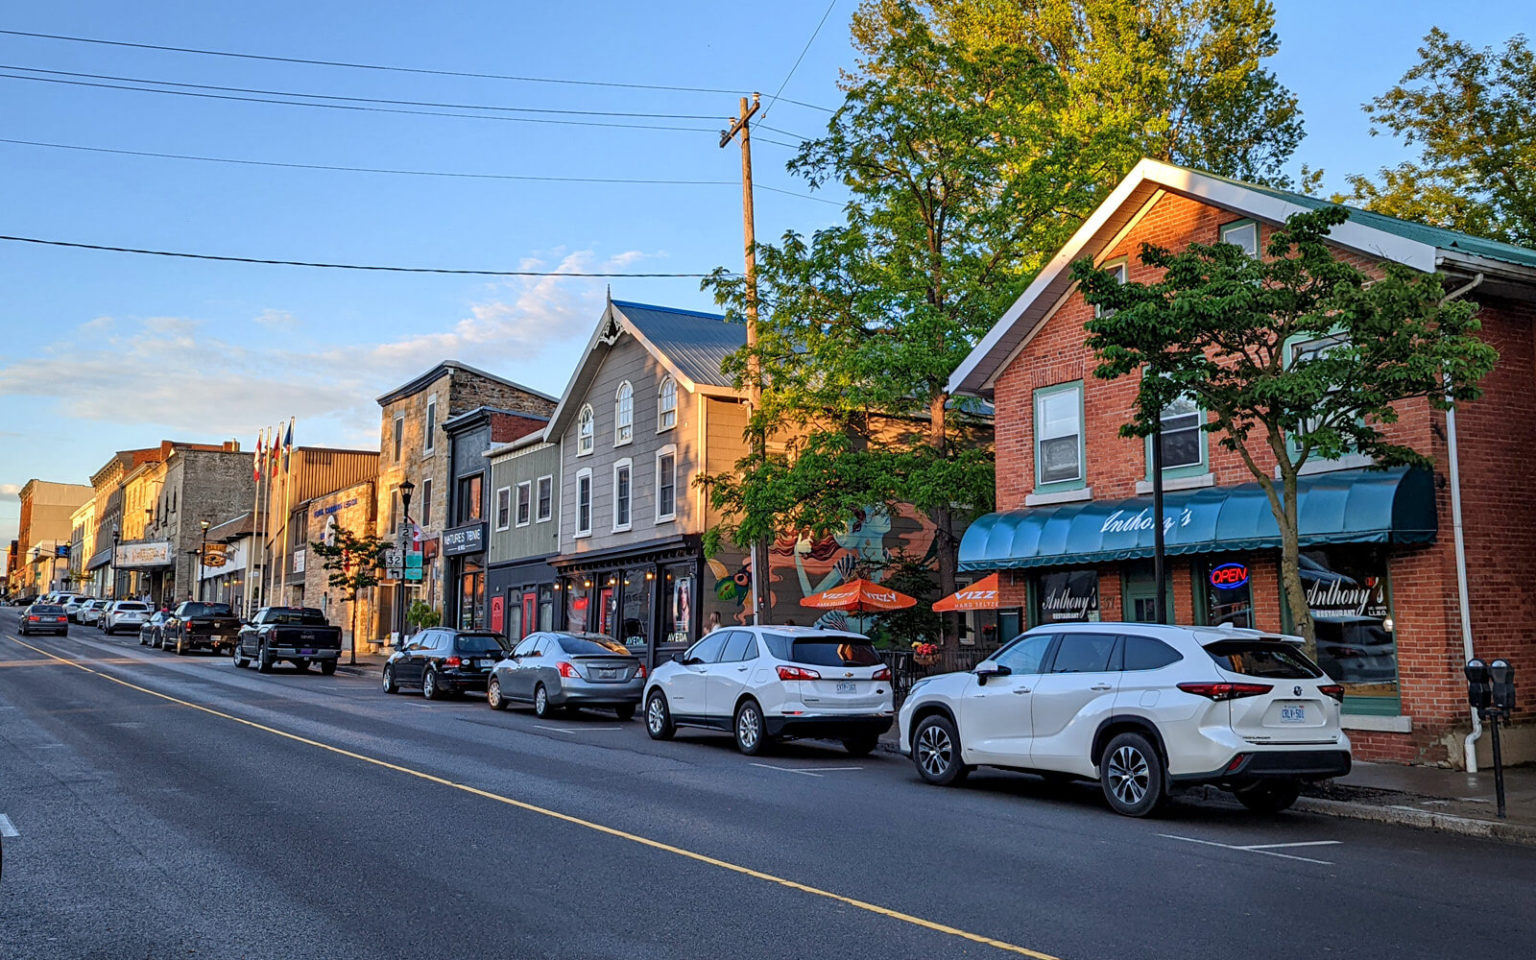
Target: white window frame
[(586, 443), (662, 409), (624, 420), (503, 503), (526, 487), (1120, 267), (1227, 229), (670, 450), (547, 480), (429, 442), (399, 437), (584, 474), (1075, 389), (628, 466)]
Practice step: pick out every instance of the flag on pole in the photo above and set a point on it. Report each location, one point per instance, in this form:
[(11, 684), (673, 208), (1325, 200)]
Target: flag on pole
[(288, 445), (260, 437)]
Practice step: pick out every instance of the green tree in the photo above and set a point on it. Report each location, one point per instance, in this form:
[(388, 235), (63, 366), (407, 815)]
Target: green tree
[(1472, 113), (1293, 356), (351, 561), (1175, 80), (421, 616)]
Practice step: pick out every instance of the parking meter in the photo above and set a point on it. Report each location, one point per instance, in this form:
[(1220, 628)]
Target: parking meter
[(1479, 687), (1502, 676)]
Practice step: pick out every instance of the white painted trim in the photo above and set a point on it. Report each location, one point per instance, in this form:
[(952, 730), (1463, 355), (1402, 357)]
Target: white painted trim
[(617, 395), (536, 518), (659, 410), (586, 408), (1179, 483), (624, 463), (1365, 721), (1060, 496), (496, 517), (585, 473), (668, 450), (515, 504), (1350, 461)]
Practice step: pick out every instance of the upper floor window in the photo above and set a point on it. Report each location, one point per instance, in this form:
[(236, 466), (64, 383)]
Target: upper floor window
[(624, 414), (525, 503), (470, 506), (623, 494), (426, 501), (429, 443), (666, 405), (586, 431), (583, 503), (1183, 440), (546, 498), (1059, 434), (1118, 271), (399, 436), (1243, 233), (1307, 351), (666, 484), (503, 508)]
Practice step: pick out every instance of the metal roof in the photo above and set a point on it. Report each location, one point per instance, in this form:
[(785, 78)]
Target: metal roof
[(696, 343)]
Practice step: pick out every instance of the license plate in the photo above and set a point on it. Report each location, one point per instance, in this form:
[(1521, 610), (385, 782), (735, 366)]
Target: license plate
[(306, 652), (847, 686), (485, 663), (1297, 714), (607, 674)]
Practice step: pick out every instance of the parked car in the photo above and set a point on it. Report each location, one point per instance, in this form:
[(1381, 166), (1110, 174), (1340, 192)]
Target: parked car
[(553, 671), (72, 603), (149, 630), (124, 615), (44, 618), (770, 683), (299, 635), (440, 661), (199, 625), (89, 613), (1141, 708)]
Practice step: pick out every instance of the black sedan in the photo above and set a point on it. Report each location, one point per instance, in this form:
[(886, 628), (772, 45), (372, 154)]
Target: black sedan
[(150, 630), (44, 618), (440, 661)]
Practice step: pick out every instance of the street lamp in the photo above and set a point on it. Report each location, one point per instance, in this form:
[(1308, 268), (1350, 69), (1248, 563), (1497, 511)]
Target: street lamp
[(115, 534), (202, 554), (406, 489)]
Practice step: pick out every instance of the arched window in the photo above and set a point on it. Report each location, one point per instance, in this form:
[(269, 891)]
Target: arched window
[(585, 431), (624, 414), (666, 405)]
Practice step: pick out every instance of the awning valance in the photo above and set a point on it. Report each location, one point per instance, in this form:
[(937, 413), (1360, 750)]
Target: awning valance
[(1346, 506)]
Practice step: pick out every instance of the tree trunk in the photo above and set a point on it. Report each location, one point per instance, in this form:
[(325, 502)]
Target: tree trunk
[(946, 544), (1290, 567)]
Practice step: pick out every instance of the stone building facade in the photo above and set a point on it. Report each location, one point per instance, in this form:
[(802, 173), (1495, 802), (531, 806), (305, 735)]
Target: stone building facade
[(45, 524), (352, 508)]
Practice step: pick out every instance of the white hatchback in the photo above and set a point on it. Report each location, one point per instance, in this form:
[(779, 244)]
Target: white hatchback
[(766, 683), (1142, 708)]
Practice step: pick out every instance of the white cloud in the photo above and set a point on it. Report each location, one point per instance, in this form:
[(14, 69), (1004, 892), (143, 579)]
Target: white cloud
[(9, 490), (275, 319)]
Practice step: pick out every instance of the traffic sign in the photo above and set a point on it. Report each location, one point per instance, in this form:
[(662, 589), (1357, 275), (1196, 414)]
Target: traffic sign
[(413, 566), (393, 564)]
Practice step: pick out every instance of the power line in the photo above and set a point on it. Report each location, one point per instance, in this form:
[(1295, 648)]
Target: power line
[(329, 96), (345, 266), (356, 107), (787, 133), (643, 181), (803, 51)]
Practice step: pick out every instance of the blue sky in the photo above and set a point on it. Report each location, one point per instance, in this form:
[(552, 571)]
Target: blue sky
[(100, 352)]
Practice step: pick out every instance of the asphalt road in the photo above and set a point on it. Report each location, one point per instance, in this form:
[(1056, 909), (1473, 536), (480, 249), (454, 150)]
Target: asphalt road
[(171, 806)]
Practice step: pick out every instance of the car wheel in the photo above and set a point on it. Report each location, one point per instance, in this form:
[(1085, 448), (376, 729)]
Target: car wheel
[(862, 745), (936, 752), (625, 712), (327, 668), (1132, 776), (241, 661), (143, 640), (541, 705), (493, 695), (751, 737), (658, 719), (181, 645), (389, 680), (263, 660), (429, 689), (1269, 796)]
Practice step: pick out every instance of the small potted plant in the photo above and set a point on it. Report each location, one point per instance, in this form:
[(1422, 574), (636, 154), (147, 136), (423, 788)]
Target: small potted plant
[(925, 654)]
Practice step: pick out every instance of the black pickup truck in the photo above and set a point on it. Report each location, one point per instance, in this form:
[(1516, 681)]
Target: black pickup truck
[(299, 635), (195, 625)]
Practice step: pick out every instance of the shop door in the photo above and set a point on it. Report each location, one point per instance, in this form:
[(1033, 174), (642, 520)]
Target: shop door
[(1140, 598), (530, 612), (516, 627)]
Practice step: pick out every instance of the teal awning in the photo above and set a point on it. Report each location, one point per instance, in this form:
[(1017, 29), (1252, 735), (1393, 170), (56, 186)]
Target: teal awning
[(1346, 506)]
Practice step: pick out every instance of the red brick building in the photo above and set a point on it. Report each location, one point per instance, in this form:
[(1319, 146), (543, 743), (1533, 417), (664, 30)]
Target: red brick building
[(1380, 563)]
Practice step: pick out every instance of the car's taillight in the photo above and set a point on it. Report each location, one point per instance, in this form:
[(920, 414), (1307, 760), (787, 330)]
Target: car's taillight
[(35, 619), (452, 662), (1226, 691), (884, 673), (1333, 690), (568, 671), (640, 672), (798, 673)]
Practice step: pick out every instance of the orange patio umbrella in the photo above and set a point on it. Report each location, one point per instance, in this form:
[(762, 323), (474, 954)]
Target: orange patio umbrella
[(859, 596), (981, 595)]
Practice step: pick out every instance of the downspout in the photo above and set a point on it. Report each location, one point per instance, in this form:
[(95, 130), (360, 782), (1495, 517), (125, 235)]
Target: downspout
[(1469, 750)]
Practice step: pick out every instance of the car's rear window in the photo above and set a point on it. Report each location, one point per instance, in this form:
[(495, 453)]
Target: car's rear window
[(309, 618), (582, 647), (130, 605), (207, 610), (47, 608), (1269, 659), (479, 643), (833, 651)]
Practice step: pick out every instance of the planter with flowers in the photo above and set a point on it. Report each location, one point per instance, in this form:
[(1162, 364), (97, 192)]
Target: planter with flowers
[(925, 654)]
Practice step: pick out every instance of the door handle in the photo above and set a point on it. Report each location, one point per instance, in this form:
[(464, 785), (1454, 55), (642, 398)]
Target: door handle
[(742, 669), (1020, 689), (1101, 686)]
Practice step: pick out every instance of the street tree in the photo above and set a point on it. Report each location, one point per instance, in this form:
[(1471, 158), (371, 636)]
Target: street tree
[(1472, 114), (352, 562), (1294, 356)]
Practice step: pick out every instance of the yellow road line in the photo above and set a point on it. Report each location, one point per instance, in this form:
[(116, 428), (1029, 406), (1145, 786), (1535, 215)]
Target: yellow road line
[(55, 662), (578, 821)]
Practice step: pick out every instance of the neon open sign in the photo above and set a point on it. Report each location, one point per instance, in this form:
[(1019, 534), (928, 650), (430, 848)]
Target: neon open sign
[(1229, 576)]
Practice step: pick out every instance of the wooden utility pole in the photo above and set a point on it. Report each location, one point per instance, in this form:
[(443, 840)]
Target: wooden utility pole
[(742, 125)]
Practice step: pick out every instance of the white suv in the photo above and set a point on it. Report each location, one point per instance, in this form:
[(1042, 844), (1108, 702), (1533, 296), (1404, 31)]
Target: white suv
[(125, 615), (768, 683), (1139, 707)]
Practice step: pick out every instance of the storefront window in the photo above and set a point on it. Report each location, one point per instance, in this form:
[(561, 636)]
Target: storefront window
[(1347, 592), (1228, 594), (635, 624), (472, 596), (578, 603), (546, 607), (1069, 596), (677, 606), (608, 597)]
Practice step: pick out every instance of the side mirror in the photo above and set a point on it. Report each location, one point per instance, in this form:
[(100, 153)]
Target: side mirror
[(986, 669)]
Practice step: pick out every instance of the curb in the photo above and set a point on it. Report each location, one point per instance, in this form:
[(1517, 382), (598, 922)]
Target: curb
[(1420, 819)]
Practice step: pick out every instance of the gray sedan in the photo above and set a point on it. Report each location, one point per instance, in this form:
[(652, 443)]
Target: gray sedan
[(568, 670)]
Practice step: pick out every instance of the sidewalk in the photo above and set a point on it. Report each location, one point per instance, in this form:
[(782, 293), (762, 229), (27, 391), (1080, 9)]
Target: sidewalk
[(366, 666), (1429, 798)]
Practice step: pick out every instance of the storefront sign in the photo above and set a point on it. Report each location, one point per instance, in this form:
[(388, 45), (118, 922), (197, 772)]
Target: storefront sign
[(133, 556), (1069, 596), (413, 566), (1229, 576), (215, 555), (298, 561), (333, 508), (466, 539)]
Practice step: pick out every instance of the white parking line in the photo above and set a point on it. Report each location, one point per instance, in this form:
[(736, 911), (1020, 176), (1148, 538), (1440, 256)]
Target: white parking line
[(1259, 848), (1306, 843), (541, 726), (815, 772), (6, 828)]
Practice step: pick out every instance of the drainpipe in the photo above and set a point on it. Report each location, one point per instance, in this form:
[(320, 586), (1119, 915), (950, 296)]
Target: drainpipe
[(1469, 750)]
